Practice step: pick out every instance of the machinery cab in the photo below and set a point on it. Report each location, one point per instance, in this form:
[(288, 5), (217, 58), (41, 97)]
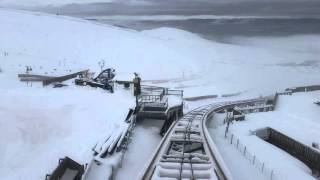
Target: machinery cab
[(105, 76)]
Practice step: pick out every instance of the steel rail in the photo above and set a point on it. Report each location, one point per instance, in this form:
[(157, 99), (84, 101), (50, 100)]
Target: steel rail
[(221, 172)]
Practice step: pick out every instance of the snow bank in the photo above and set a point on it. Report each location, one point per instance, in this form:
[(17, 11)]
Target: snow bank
[(38, 126)]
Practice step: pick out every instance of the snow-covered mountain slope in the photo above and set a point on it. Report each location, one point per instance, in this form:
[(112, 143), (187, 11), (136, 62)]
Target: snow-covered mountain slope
[(260, 65), (46, 39), (39, 125), (162, 54)]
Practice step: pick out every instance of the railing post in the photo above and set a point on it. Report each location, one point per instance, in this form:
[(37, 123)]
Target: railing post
[(271, 176), (47, 177), (231, 138), (254, 159)]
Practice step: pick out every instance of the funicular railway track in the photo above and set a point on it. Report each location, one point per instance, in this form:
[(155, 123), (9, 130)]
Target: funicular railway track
[(187, 150)]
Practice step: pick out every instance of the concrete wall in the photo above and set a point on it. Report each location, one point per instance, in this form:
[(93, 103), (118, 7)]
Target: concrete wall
[(304, 153)]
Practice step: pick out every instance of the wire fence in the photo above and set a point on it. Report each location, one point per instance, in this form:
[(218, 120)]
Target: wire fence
[(268, 172)]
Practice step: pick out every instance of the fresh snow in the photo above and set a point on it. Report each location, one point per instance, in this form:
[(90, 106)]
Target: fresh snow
[(40, 125), (145, 140), (296, 116)]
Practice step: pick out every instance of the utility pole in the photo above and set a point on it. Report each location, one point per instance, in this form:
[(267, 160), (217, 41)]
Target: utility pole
[(228, 120)]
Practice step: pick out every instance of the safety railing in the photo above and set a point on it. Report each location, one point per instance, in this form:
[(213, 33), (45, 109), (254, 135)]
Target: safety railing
[(261, 166), (174, 92)]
